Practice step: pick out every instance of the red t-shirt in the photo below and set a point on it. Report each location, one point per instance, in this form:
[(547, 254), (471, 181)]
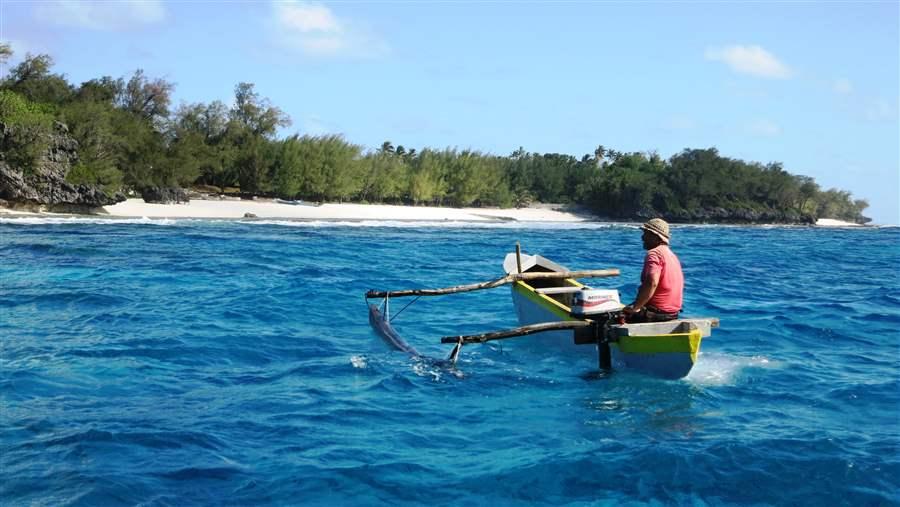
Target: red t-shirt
[(668, 295)]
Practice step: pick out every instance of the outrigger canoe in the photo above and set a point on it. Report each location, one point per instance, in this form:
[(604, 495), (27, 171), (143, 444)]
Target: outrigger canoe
[(664, 349), (560, 315)]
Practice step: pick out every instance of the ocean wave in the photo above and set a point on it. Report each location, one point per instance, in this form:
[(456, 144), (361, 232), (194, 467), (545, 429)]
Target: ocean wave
[(714, 369), (81, 220), (488, 223), (220, 362), (437, 224)]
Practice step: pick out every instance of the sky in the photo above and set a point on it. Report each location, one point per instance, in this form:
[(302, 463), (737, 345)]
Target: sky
[(813, 85)]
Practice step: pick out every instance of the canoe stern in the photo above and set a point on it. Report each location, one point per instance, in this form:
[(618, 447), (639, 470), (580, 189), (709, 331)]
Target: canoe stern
[(666, 355)]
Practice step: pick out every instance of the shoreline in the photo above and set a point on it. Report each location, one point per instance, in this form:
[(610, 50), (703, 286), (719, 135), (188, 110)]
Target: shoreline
[(136, 208), (267, 209)]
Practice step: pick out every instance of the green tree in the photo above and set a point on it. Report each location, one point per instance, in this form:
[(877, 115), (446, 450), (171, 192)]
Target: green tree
[(6, 53), (808, 190), (32, 79), (93, 124), (106, 90), (343, 168), (599, 154), (465, 177), (202, 131), (426, 182), (385, 177), (146, 98), (27, 127), (254, 123)]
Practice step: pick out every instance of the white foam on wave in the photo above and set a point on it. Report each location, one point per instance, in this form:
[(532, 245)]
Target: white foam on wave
[(423, 369), (363, 223), (723, 369), (359, 362), (313, 223), (443, 224), (72, 220)]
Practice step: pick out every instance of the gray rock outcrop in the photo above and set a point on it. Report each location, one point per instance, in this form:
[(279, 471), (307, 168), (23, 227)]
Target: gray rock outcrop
[(164, 195), (45, 185)]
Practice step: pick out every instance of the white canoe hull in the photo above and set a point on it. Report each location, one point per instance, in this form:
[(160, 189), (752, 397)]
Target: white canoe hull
[(667, 350), (529, 311)]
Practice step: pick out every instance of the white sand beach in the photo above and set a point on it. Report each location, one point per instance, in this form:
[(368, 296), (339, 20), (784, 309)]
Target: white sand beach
[(137, 208), (267, 208)]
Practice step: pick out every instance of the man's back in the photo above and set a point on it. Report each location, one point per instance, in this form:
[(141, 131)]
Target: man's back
[(669, 292)]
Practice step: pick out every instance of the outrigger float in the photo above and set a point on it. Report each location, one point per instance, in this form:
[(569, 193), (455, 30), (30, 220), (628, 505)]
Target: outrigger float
[(560, 314)]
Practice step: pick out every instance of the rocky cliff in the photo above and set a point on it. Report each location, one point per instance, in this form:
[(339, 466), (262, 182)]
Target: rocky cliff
[(44, 187)]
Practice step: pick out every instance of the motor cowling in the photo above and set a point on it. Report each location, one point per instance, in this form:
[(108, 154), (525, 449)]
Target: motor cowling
[(594, 301)]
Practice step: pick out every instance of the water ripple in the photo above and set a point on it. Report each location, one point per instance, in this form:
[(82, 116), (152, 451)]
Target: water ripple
[(215, 362)]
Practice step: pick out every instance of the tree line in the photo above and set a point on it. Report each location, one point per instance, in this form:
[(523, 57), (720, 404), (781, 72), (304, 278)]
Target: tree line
[(131, 137)]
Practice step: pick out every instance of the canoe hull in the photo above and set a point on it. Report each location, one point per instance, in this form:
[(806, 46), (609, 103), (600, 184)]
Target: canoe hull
[(666, 350), (668, 356), (533, 308)]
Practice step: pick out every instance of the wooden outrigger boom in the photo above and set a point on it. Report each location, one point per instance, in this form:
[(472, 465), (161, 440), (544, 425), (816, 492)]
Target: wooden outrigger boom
[(381, 322), (518, 331), (510, 278)]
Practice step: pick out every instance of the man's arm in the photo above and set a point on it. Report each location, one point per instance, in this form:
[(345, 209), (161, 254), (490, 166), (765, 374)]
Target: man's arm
[(647, 290)]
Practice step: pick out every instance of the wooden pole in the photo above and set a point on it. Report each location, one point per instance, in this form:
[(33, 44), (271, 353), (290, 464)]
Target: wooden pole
[(519, 331), (510, 278), (519, 256)]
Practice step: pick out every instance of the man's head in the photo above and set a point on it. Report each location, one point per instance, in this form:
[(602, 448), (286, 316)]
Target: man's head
[(656, 232)]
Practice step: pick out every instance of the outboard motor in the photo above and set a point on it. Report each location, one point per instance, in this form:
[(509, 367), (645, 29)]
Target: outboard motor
[(588, 302)]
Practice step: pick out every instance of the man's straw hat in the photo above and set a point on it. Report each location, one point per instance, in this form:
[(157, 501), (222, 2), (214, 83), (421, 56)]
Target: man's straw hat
[(659, 227)]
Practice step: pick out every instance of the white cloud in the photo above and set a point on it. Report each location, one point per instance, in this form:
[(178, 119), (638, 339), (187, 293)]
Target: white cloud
[(843, 86), (763, 128), (313, 29), (307, 17), (752, 60), (100, 15), (880, 110)]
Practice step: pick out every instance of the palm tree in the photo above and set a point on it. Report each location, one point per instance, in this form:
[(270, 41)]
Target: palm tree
[(599, 153)]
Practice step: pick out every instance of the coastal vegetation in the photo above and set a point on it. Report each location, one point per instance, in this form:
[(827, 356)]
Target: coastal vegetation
[(130, 137)]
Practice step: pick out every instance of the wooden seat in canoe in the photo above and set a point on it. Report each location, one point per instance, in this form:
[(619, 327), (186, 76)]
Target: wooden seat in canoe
[(558, 290)]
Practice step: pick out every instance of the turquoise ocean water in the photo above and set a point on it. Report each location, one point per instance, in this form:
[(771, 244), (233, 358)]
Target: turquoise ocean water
[(231, 363)]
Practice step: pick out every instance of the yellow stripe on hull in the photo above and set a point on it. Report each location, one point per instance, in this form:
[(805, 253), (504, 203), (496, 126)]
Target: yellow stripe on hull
[(669, 356), (685, 343), (666, 355), (558, 309)]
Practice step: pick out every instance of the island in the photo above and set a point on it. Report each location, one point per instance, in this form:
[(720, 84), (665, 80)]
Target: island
[(83, 148)]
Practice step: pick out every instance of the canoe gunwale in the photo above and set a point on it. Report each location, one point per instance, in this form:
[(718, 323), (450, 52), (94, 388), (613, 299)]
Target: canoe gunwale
[(636, 346), (545, 301)]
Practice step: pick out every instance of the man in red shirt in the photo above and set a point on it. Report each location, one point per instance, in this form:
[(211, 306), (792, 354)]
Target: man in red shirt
[(662, 282)]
